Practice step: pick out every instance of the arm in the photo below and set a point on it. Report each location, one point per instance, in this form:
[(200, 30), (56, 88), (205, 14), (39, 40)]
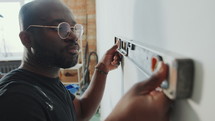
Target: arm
[(142, 102), (87, 105)]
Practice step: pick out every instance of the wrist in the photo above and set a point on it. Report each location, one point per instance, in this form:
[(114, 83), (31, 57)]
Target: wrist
[(101, 68)]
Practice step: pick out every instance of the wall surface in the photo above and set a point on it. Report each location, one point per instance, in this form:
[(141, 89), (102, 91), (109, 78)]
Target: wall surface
[(184, 27)]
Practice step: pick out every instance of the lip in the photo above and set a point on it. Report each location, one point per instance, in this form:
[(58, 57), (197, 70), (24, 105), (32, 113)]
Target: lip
[(73, 49)]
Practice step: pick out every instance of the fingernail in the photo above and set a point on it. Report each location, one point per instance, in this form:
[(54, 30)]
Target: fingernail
[(158, 89), (159, 68)]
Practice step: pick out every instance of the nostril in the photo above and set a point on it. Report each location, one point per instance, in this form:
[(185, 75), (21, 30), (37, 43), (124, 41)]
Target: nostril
[(71, 39)]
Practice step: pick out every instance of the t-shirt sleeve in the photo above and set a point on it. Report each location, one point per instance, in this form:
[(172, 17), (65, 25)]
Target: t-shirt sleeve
[(72, 95)]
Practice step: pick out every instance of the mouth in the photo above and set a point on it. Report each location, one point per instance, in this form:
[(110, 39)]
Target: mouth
[(73, 49)]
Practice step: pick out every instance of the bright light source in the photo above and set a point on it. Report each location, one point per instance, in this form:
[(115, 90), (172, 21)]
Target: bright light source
[(9, 29)]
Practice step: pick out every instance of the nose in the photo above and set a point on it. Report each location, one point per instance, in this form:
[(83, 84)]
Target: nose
[(71, 37)]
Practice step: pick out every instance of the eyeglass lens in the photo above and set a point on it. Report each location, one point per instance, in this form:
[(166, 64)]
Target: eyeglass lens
[(64, 30), (78, 30)]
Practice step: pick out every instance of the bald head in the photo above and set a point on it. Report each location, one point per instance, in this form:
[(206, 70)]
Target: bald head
[(41, 12)]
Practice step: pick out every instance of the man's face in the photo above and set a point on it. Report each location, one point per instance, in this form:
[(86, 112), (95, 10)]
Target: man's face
[(48, 48)]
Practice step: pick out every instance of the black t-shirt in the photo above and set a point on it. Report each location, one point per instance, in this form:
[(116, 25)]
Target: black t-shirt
[(26, 96)]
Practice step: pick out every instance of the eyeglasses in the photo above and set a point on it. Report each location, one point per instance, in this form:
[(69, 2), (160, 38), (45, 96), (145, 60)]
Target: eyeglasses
[(64, 29)]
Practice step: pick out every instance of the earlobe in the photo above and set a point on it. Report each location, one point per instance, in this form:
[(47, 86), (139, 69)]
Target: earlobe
[(25, 38)]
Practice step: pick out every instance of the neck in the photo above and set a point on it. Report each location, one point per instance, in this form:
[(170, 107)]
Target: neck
[(51, 72)]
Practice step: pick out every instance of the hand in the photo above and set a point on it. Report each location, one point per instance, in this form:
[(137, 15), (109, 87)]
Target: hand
[(142, 102), (111, 59)]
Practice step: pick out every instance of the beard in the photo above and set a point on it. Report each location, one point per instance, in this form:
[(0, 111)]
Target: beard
[(60, 58)]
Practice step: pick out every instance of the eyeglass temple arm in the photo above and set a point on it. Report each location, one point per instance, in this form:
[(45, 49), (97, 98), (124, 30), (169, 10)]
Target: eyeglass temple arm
[(41, 26)]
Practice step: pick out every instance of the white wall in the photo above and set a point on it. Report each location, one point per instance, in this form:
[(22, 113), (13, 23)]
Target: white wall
[(185, 27)]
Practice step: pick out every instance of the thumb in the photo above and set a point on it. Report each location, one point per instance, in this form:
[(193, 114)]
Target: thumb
[(155, 80), (112, 49)]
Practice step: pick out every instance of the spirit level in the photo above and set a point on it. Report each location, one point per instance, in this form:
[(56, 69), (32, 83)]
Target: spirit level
[(181, 70)]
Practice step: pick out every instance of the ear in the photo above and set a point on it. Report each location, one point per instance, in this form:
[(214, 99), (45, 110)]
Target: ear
[(26, 39)]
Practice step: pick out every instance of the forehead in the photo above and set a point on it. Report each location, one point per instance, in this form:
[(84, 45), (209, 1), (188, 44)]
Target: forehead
[(54, 13)]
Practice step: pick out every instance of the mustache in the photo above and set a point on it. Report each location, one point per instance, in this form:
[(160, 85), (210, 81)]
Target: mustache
[(73, 46)]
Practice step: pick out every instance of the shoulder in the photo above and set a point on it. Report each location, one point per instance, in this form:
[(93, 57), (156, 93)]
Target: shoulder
[(17, 103), (19, 91), (13, 75)]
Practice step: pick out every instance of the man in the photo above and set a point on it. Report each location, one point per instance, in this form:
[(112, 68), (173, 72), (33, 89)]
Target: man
[(33, 92)]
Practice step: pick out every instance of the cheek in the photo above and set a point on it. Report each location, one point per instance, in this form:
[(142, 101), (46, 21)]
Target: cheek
[(47, 48), (48, 43), (51, 41)]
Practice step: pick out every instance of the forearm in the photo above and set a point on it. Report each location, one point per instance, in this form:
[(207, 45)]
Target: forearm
[(90, 100)]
